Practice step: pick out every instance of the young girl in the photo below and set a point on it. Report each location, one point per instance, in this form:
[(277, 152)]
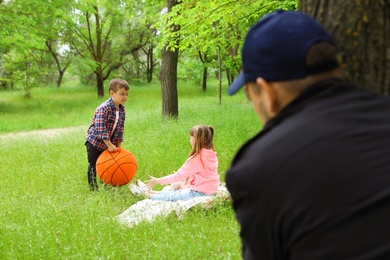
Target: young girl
[(200, 171)]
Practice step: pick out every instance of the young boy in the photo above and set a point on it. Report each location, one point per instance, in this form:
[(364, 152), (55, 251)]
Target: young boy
[(107, 127)]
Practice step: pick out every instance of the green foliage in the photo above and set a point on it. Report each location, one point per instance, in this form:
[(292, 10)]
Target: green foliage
[(26, 62), (47, 210), (112, 36), (102, 35), (208, 25), (190, 69)]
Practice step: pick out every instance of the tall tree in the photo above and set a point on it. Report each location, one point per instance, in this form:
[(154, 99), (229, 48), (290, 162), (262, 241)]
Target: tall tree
[(362, 31), (52, 31), (205, 59), (216, 27), (104, 35), (53, 49), (21, 47), (150, 61), (145, 61), (34, 37), (168, 72), (93, 27)]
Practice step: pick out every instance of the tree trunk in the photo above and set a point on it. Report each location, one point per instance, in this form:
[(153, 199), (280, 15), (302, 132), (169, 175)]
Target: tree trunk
[(149, 64), (219, 76), (168, 77), (60, 77), (100, 83), (362, 31), (204, 79), (229, 76), (99, 54), (61, 71), (204, 60)]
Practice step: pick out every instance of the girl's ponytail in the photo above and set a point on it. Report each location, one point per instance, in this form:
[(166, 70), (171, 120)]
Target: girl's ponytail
[(212, 131), (204, 136)]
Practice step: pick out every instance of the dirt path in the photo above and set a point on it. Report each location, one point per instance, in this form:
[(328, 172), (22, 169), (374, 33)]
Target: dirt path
[(48, 133)]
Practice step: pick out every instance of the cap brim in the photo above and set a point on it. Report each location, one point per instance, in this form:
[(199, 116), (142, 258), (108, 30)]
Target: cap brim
[(237, 84)]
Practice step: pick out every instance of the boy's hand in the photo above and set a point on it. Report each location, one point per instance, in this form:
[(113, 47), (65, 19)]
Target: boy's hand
[(112, 148)]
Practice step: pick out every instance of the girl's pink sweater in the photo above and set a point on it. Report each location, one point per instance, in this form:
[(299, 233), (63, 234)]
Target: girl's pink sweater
[(203, 176)]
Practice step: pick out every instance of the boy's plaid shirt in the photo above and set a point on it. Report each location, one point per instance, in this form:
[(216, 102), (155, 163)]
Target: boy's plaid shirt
[(102, 125)]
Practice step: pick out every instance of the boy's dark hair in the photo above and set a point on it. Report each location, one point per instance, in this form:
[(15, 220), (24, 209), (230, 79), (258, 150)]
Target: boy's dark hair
[(116, 84)]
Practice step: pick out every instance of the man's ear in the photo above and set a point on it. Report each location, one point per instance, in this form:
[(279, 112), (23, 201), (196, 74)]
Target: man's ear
[(270, 96)]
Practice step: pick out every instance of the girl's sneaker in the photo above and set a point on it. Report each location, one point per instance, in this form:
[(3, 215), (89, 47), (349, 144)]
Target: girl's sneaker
[(137, 191), (142, 185)]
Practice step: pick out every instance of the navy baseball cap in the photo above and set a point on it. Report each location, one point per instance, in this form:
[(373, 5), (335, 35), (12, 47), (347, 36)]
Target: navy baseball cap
[(275, 48)]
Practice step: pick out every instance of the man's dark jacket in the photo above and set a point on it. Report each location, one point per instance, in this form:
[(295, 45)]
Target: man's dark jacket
[(315, 182)]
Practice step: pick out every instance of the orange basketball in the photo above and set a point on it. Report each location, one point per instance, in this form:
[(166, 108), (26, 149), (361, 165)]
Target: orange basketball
[(117, 168)]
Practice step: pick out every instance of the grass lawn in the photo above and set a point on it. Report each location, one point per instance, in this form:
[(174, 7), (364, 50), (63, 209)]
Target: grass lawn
[(47, 210)]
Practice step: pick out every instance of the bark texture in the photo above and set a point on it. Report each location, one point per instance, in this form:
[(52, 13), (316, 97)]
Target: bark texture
[(361, 28), (168, 76)]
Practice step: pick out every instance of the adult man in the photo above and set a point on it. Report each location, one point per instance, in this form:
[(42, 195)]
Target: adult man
[(315, 182)]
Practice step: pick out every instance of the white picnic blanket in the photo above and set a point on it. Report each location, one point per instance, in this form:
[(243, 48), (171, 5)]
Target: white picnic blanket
[(149, 210)]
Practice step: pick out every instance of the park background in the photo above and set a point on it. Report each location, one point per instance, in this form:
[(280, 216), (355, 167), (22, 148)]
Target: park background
[(56, 59)]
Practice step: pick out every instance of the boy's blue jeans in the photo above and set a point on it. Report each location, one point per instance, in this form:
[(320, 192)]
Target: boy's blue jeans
[(185, 194)]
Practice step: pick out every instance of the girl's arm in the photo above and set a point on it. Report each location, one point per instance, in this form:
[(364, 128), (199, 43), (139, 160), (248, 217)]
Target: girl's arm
[(189, 168)]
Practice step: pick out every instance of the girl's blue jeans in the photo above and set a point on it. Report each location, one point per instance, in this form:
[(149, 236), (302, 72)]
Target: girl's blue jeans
[(176, 195)]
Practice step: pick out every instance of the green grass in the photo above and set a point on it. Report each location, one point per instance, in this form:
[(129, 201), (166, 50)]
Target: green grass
[(46, 208)]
